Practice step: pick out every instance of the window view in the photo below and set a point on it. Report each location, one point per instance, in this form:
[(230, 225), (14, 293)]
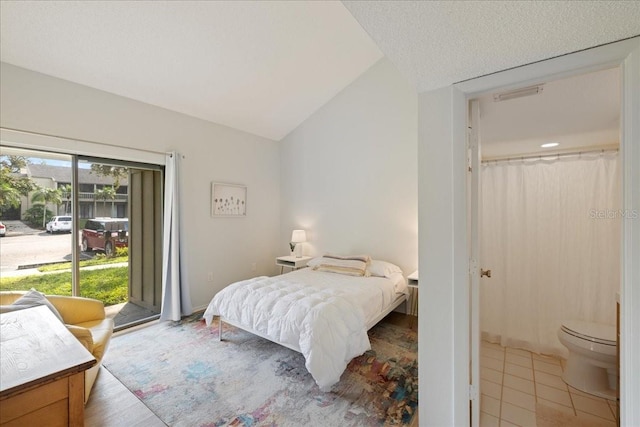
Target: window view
[(37, 215), (35, 208)]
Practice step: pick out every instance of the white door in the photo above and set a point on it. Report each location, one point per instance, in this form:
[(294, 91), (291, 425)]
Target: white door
[(473, 192)]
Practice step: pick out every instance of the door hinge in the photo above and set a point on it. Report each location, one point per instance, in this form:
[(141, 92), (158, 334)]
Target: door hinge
[(473, 392), (469, 149), (473, 267)]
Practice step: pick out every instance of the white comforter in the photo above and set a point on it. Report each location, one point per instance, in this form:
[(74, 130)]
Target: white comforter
[(324, 315)]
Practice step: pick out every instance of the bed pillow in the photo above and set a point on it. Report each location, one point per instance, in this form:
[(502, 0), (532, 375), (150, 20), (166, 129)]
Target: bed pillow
[(314, 262), (382, 268), (363, 258), (349, 265), (34, 298)]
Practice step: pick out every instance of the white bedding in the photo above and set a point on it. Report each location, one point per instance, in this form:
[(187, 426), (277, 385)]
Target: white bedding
[(324, 315)]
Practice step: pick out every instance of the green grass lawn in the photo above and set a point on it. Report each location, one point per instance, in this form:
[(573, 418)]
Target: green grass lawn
[(109, 285), (98, 260)]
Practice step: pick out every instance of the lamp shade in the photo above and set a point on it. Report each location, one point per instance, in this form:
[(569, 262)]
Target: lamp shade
[(298, 236)]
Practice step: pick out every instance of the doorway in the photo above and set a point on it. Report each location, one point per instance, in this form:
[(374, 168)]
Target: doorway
[(551, 260), (626, 54), (444, 240)]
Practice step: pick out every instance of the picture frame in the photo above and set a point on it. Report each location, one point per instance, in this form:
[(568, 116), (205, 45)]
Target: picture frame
[(228, 200)]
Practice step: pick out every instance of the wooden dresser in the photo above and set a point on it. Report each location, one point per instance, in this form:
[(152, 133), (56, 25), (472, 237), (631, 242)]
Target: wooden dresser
[(42, 370)]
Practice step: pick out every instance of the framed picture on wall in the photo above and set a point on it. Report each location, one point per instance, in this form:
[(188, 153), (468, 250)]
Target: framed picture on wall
[(228, 200)]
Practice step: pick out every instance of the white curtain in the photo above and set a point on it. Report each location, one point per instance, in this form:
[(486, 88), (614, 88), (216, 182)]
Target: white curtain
[(550, 233), (176, 301)]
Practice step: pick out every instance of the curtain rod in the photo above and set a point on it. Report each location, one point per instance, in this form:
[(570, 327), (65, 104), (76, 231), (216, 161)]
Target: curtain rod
[(85, 140), (550, 156)]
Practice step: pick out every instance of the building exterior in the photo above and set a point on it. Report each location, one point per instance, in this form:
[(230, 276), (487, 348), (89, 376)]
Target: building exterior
[(92, 202)]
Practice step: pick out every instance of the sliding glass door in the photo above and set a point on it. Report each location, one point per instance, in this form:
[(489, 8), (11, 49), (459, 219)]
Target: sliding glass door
[(36, 210), (111, 209)]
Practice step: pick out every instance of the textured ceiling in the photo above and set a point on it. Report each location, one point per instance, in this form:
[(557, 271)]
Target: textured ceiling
[(437, 43), (581, 112), (261, 67), (265, 66)]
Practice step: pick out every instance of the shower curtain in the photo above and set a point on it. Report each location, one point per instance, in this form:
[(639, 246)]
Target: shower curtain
[(550, 233)]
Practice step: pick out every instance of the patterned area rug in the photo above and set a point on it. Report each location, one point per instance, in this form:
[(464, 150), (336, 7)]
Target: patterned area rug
[(187, 377)]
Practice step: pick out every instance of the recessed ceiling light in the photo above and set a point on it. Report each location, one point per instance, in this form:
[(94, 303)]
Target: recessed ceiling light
[(550, 144)]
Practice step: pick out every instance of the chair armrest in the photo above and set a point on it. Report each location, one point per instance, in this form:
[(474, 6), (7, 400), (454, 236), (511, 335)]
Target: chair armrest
[(83, 335), (75, 310)]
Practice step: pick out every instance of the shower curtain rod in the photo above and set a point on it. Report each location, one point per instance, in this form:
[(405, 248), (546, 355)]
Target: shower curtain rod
[(550, 156)]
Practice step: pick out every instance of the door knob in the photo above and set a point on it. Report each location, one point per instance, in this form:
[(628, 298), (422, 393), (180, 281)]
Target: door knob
[(485, 273)]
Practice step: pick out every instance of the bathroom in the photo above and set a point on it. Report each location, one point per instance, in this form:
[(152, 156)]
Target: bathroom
[(550, 234)]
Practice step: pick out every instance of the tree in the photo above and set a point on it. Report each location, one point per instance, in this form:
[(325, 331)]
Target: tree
[(106, 193), (46, 195), (65, 193), (117, 172), (32, 215), (13, 185)]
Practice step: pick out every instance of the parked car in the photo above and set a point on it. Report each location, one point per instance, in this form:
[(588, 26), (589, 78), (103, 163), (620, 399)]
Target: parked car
[(3, 230), (105, 234), (59, 224)]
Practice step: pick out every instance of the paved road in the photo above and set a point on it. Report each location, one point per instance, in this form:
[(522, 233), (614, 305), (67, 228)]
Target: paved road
[(31, 249), (24, 246)]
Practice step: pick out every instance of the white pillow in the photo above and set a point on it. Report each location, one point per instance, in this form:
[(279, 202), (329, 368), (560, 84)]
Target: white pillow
[(382, 268), (314, 262)]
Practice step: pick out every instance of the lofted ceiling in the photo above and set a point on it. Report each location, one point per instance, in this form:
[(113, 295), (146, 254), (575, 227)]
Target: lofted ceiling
[(265, 66), (261, 67)]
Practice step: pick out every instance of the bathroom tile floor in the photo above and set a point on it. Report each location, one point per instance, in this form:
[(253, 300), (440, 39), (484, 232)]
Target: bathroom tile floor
[(513, 382)]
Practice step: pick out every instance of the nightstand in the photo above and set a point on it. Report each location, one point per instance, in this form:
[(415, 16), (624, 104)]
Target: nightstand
[(412, 282), (292, 262)]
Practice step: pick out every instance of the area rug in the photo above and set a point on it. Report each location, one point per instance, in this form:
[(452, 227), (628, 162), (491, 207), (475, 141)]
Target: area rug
[(187, 377)]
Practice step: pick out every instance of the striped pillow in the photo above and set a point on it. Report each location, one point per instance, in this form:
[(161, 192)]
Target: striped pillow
[(351, 266), (363, 258)]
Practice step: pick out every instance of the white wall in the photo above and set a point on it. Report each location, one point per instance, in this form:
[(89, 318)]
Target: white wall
[(349, 172), (443, 300), (225, 246)]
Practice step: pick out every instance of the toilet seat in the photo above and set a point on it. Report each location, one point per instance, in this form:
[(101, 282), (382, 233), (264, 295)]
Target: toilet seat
[(594, 332)]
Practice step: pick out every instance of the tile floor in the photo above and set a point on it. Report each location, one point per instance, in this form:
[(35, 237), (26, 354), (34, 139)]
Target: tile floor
[(513, 380)]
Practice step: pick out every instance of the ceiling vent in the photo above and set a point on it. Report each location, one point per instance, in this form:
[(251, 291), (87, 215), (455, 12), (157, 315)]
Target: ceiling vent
[(517, 93)]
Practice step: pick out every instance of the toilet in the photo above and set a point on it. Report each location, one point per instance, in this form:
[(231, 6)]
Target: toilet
[(592, 363)]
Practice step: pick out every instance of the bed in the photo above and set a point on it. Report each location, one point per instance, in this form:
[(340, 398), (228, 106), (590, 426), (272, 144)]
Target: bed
[(323, 312)]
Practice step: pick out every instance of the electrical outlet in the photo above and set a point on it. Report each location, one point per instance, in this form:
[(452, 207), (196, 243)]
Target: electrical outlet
[(210, 276), (253, 266)]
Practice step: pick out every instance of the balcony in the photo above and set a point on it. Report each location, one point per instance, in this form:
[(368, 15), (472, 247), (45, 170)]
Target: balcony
[(91, 197)]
